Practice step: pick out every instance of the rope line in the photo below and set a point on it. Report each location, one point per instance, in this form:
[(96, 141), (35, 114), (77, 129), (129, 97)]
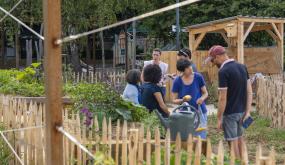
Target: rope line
[(70, 137), (12, 9), (22, 129), (23, 24), (11, 147), (171, 7)]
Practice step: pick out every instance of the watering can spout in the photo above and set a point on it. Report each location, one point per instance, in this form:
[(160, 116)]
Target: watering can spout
[(163, 120)]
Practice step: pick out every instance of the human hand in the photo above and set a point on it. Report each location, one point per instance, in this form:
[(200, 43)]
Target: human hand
[(245, 116), (200, 101), (186, 98), (219, 125)]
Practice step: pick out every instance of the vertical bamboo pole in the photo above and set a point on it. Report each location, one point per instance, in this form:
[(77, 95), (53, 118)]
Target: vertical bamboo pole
[(148, 147), (209, 153), (124, 145), (178, 149), (157, 147), (140, 145), (198, 150), (167, 148), (220, 160), (189, 149), (52, 62), (117, 142)]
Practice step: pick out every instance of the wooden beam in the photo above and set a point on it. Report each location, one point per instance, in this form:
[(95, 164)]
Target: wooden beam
[(270, 32), (210, 28), (225, 38), (261, 27), (265, 20), (280, 44), (191, 42), (198, 40), (240, 43), (248, 31), (53, 83), (276, 31)]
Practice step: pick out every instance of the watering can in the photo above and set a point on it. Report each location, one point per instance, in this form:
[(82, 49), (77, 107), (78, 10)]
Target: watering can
[(184, 119)]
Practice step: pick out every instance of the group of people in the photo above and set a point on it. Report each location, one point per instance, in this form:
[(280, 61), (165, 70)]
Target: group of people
[(235, 93)]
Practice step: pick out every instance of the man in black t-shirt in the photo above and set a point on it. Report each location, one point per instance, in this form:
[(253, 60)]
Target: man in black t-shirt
[(235, 96)]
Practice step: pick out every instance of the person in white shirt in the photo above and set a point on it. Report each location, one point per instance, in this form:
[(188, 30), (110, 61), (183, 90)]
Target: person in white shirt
[(156, 55)]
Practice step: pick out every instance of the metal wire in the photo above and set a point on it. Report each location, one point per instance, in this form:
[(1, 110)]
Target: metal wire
[(23, 24), (70, 137), (13, 8), (74, 37), (11, 147)]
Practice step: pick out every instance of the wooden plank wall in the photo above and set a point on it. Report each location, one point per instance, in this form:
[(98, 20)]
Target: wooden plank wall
[(265, 60), (169, 57)]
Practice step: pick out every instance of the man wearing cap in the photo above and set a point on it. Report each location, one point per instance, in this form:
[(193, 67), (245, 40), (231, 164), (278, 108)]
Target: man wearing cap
[(235, 96)]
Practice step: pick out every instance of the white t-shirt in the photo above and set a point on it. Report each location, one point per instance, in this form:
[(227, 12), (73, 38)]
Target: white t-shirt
[(164, 69)]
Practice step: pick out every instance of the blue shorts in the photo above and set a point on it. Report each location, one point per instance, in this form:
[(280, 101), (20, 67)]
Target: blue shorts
[(232, 126)]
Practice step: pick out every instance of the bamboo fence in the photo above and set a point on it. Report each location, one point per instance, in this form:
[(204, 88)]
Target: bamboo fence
[(270, 99), (114, 78), (125, 143)]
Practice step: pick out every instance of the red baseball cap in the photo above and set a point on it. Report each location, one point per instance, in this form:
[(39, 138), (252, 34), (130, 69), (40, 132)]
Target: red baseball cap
[(214, 51)]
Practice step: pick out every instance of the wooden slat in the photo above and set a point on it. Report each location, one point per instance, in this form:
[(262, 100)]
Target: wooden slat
[(157, 147), (220, 159), (198, 150), (141, 145), (178, 149), (148, 147), (167, 148), (209, 153), (189, 149), (124, 145)]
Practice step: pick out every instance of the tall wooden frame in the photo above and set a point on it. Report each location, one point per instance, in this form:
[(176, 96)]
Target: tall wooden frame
[(53, 84), (235, 31)]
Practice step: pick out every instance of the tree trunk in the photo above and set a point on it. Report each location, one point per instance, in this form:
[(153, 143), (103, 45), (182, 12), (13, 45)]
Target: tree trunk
[(18, 54), (103, 48), (29, 52), (74, 52), (94, 50)]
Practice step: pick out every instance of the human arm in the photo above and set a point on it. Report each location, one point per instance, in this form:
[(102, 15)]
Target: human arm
[(203, 97), (249, 100), (175, 98), (221, 106), (161, 103)]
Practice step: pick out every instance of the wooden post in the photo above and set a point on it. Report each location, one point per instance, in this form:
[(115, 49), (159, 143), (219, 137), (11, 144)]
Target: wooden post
[(280, 44), (240, 42), (17, 45), (53, 86)]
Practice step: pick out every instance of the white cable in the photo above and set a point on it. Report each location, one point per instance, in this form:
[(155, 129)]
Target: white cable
[(22, 129), (70, 137), (11, 147), (74, 37), (10, 11), (23, 24)]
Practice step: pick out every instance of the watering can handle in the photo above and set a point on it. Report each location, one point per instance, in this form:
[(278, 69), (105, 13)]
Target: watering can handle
[(185, 106)]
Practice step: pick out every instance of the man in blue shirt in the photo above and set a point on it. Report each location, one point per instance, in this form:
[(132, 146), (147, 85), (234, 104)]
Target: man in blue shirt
[(235, 96)]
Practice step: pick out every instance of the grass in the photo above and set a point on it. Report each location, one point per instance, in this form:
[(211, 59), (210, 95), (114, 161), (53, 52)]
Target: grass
[(260, 132)]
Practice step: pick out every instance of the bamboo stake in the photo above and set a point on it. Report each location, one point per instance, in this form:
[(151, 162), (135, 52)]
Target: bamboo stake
[(141, 147), (133, 145), (157, 147), (198, 150), (148, 147), (124, 145), (209, 153), (220, 160), (117, 142), (189, 149), (110, 137), (232, 153), (178, 149), (167, 148)]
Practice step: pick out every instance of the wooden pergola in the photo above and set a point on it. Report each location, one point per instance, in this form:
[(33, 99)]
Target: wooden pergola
[(235, 30)]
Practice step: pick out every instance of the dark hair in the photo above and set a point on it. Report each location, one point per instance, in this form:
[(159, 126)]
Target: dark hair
[(157, 50), (133, 76), (182, 64), (185, 52), (152, 73)]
